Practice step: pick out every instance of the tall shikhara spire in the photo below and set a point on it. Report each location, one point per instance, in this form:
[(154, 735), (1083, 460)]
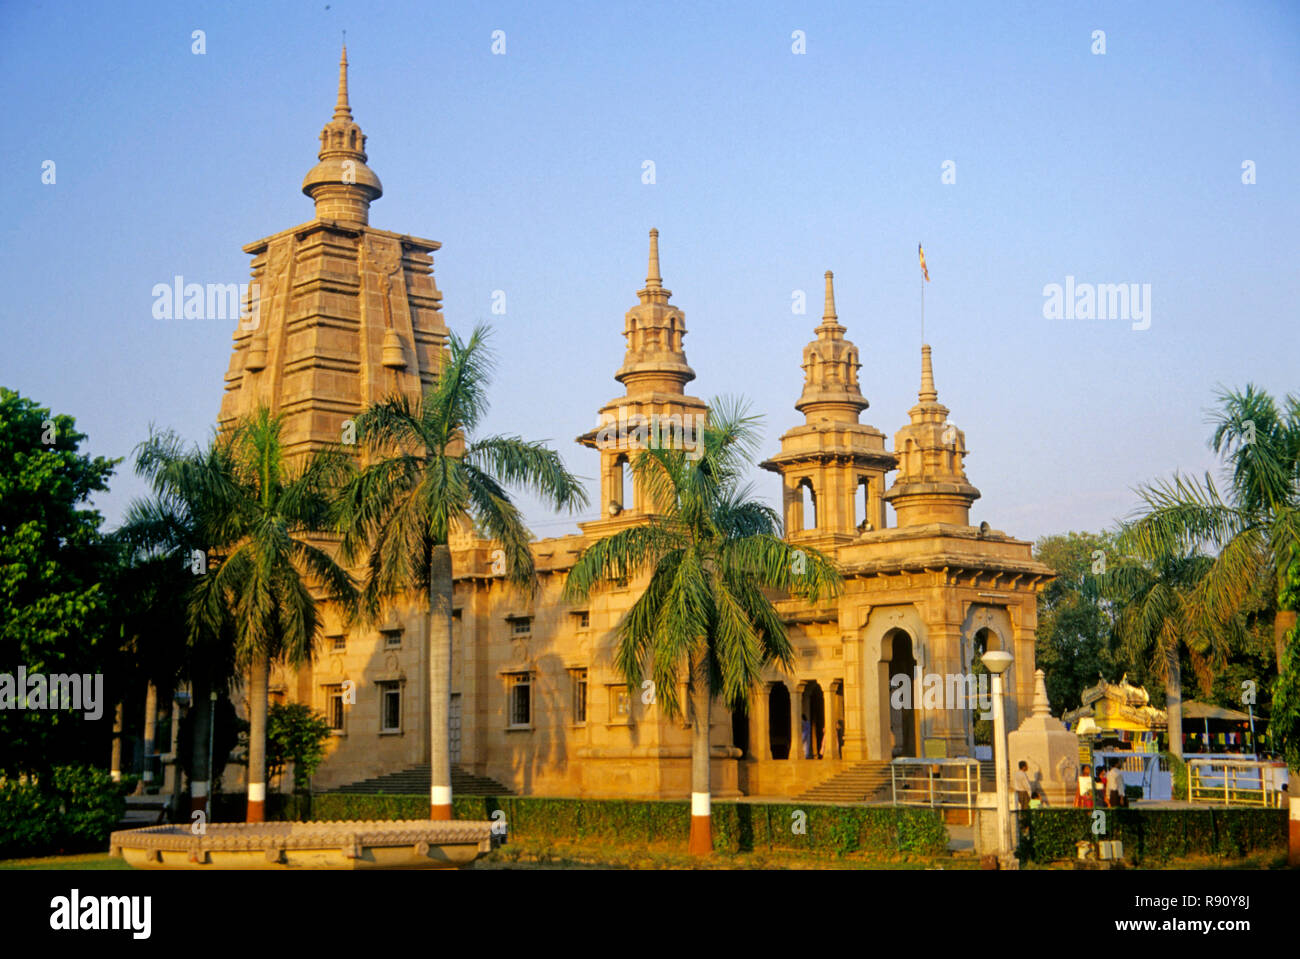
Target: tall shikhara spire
[(347, 314), (341, 183)]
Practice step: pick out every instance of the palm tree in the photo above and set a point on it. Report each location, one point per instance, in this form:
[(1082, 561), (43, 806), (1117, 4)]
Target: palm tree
[(710, 552), (1255, 530), (1158, 615), (257, 516), (426, 479), (159, 539)]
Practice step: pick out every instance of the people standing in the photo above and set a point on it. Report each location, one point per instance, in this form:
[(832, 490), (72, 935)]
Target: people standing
[(1115, 786), (1020, 783)]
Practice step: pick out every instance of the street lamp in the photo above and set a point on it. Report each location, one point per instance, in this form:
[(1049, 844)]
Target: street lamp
[(997, 661)]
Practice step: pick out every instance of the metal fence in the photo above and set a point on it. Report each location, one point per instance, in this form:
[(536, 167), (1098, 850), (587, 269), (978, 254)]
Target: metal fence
[(935, 782), (1235, 782)]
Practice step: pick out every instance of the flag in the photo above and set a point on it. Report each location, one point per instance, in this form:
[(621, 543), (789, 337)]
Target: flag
[(921, 252)]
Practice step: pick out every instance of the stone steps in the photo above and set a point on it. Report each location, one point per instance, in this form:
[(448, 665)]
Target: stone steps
[(861, 782), (415, 781)]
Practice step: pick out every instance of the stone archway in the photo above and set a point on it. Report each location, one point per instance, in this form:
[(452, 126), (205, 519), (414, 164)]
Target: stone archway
[(989, 627), (897, 644), (879, 631)]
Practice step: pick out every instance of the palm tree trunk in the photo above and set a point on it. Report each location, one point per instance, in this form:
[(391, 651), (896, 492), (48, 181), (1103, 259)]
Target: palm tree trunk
[(1174, 701), (150, 730), (258, 679), (440, 683), (200, 773), (115, 761), (701, 841)]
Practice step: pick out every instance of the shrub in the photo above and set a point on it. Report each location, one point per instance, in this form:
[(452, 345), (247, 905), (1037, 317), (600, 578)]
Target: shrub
[(1156, 835), (70, 808), (737, 827)]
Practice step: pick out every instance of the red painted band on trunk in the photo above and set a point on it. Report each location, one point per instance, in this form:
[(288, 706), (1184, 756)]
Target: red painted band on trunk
[(701, 842), (439, 812), (1293, 843), (256, 811)]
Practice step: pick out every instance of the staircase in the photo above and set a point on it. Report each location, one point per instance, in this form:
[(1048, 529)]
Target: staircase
[(415, 781), (861, 782)]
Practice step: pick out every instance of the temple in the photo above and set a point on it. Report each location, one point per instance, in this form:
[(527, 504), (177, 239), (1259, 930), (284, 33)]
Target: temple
[(348, 314)]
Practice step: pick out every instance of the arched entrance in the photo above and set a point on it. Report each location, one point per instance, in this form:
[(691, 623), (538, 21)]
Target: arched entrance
[(778, 719), (897, 645), (812, 707), (740, 730)]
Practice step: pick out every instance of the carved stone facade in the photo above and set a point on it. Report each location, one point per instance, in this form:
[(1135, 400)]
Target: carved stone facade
[(349, 315)]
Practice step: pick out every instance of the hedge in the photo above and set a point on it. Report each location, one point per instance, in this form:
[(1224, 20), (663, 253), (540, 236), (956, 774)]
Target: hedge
[(69, 809), (1156, 835), (737, 827)]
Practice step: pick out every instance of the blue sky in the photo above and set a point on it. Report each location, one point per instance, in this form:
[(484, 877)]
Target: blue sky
[(771, 168)]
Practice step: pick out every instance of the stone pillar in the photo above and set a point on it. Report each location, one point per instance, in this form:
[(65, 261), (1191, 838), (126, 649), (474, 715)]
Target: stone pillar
[(856, 699), (796, 721), (832, 749), (150, 728), (760, 727)]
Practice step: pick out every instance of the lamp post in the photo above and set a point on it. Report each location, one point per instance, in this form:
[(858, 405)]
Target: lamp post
[(997, 661)]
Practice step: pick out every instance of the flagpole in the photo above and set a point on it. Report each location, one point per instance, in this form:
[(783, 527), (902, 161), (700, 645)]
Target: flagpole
[(923, 311)]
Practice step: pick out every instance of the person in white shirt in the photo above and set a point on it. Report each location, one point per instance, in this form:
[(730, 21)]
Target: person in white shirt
[(1114, 787), (1020, 783)]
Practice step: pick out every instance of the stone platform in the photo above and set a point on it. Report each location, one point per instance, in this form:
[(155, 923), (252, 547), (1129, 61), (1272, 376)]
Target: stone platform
[(398, 844)]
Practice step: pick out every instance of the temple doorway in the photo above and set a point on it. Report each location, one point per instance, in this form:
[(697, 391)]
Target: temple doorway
[(813, 709), (902, 721)]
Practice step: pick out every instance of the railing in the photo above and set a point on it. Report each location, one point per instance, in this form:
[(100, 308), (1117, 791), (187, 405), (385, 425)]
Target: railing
[(935, 782), (1235, 782)]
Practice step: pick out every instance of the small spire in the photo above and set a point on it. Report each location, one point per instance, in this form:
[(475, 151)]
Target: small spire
[(342, 111), (928, 393), (654, 281), (829, 313)]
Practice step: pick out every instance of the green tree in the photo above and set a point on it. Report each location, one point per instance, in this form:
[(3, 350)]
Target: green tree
[(426, 478), (296, 734), (710, 551), (262, 520), (1253, 529), (1160, 617), (54, 609), (1074, 621)]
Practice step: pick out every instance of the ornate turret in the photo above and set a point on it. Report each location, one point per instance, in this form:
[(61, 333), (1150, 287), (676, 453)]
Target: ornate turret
[(655, 361), (655, 409), (931, 486), (833, 467), (830, 365), (341, 183)]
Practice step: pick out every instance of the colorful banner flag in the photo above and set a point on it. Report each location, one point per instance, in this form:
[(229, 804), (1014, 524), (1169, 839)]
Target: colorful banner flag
[(925, 271)]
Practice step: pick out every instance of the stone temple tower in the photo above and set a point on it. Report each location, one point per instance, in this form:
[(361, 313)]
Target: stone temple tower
[(343, 314), (655, 407), (832, 467)]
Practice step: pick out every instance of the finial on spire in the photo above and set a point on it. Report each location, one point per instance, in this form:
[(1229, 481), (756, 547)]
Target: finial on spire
[(928, 393), (342, 111), (829, 312), (654, 281)]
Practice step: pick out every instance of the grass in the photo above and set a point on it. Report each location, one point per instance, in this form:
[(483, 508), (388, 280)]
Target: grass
[(593, 854), (85, 861)]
